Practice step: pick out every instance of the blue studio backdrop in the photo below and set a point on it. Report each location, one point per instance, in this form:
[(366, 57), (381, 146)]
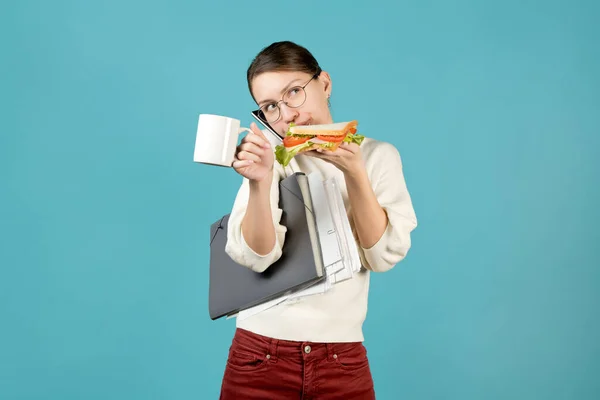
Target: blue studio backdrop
[(104, 217)]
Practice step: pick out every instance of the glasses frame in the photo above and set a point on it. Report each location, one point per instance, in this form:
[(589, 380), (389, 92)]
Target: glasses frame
[(303, 87)]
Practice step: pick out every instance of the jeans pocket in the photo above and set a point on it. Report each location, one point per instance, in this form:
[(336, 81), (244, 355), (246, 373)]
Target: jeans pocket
[(354, 359), (245, 361)]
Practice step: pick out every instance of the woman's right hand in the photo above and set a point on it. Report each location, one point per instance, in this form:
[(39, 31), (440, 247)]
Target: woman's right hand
[(254, 157)]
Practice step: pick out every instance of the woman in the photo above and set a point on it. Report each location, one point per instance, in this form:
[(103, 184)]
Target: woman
[(311, 347)]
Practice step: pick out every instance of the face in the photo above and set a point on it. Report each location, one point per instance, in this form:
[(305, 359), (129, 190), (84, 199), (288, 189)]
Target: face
[(270, 87)]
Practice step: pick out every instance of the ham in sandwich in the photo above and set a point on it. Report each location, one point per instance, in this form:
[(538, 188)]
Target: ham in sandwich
[(301, 138)]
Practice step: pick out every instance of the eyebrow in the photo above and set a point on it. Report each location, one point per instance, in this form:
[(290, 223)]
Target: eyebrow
[(282, 91)]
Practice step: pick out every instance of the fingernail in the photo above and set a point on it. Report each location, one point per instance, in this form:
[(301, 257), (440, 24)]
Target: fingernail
[(267, 145)]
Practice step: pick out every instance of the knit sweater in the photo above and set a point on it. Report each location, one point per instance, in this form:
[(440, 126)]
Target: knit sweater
[(338, 314)]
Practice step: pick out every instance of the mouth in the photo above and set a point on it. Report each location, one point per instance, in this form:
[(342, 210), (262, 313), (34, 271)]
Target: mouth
[(309, 122)]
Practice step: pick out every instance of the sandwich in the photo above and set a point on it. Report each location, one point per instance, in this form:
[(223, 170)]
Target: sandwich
[(302, 138)]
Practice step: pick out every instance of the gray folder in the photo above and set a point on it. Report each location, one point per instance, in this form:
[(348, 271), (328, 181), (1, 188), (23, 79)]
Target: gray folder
[(234, 287)]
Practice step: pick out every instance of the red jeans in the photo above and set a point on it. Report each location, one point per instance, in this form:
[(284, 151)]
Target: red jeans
[(262, 368)]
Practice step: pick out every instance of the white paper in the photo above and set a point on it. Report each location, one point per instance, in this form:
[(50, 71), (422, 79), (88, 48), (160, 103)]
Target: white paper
[(325, 226), (322, 286), (352, 257), (317, 288), (260, 307), (346, 241)]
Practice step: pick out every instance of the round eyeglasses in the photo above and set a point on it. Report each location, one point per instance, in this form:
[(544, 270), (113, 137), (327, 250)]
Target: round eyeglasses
[(294, 97)]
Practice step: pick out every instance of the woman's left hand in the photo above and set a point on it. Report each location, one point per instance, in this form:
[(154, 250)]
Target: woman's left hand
[(347, 158)]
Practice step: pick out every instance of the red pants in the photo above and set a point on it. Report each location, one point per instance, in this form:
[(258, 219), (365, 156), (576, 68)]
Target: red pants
[(261, 368)]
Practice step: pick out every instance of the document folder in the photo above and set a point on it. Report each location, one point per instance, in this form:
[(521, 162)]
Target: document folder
[(234, 287)]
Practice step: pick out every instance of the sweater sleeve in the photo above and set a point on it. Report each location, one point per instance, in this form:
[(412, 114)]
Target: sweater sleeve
[(387, 180), (236, 246)]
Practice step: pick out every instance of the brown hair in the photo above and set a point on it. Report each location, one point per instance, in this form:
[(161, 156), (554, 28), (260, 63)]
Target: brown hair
[(282, 56)]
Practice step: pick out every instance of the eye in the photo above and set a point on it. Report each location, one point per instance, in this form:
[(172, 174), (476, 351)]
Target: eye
[(269, 107), (294, 91)]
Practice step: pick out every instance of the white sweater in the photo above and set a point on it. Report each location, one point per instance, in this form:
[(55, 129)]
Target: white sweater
[(338, 314)]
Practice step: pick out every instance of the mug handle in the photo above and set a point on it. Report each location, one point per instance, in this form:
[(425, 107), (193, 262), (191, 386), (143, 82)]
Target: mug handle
[(240, 132), (244, 129)]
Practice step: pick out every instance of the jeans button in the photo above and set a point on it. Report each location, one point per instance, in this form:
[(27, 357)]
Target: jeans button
[(307, 349)]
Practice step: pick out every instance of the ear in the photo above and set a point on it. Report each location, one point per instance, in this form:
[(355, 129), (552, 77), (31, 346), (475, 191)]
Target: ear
[(325, 80)]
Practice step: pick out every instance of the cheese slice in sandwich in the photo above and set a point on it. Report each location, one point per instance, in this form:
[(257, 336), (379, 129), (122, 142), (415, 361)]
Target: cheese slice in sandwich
[(302, 138)]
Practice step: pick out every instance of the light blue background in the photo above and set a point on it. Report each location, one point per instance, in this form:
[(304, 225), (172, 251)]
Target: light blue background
[(494, 106)]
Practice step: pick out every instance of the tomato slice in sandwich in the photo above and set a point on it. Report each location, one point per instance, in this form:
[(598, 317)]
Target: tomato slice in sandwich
[(333, 139), (291, 141)]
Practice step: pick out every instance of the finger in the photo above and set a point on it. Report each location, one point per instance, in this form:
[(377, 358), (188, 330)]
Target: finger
[(237, 164), (343, 150), (255, 139), (246, 155), (351, 147), (251, 148), (328, 153), (322, 156), (311, 153), (258, 137)]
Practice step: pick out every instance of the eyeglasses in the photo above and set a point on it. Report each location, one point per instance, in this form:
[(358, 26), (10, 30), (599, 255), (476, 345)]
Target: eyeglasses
[(294, 97)]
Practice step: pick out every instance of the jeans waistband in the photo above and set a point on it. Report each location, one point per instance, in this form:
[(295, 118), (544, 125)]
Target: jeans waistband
[(291, 349)]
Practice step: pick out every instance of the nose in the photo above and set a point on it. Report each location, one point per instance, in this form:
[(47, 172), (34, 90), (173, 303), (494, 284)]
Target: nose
[(287, 114)]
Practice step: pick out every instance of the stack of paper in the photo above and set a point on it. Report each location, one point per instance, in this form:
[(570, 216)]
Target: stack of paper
[(340, 253)]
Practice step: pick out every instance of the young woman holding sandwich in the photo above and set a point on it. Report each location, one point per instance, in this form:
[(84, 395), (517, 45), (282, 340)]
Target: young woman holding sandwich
[(312, 346)]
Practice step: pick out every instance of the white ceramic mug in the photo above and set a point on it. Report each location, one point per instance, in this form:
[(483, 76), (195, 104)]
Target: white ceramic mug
[(217, 139)]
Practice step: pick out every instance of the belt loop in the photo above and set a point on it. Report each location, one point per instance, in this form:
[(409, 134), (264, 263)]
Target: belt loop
[(331, 351), (273, 349)]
